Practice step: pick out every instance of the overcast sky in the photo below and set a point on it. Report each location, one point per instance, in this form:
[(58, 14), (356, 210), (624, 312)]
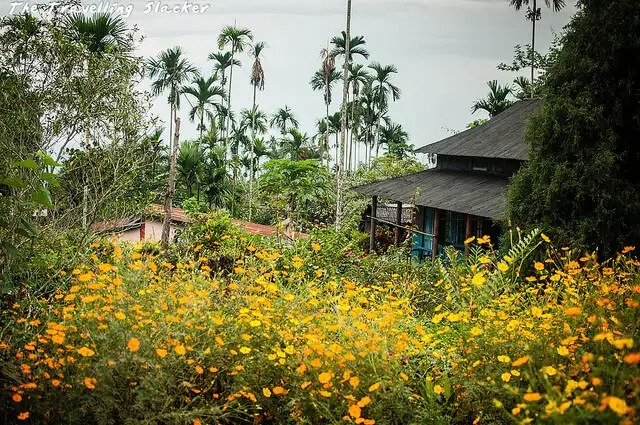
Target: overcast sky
[(445, 51)]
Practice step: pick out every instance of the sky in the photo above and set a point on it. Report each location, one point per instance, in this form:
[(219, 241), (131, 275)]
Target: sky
[(445, 51)]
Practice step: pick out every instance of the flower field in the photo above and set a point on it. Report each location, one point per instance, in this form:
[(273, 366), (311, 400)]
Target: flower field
[(290, 335)]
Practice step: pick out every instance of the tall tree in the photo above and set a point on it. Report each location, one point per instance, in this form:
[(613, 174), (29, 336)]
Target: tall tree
[(582, 181), (324, 82), (497, 99), (238, 39), (283, 120), (204, 92), (383, 88), (169, 72), (222, 62), (257, 81), (534, 14), (357, 76)]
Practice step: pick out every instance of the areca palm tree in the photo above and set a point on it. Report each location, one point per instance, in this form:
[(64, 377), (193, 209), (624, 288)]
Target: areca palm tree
[(257, 81), (357, 76), (170, 71), (324, 82), (383, 88), (282, 119), (496, 100), (204, 91), (223, 61), (296, 145), (238, 39), (534, 14), (396, 139), (189, 166)]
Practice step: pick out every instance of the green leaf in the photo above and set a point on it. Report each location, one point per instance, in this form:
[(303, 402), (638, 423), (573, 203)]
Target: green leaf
[(29, 227), (27, 163), (11, 250), (50, 162), (50, 178), (14, 182), (42, 197)]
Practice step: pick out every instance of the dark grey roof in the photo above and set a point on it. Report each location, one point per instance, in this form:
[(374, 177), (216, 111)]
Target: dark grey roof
[(460, 191), (501, 137)]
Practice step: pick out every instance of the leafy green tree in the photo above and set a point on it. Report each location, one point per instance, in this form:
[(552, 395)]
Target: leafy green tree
[(170, 71), (582, 182), (497, 100), (291, 184), (395, 138), (189, 167)]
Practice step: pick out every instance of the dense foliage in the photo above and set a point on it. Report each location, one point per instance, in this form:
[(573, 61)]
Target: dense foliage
[(582, 181), (317, 334)]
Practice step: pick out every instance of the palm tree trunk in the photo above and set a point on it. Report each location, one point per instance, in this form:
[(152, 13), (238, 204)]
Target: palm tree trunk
[(168, 205), (251, 143), (235, 173), (343, 114), (533, 43)]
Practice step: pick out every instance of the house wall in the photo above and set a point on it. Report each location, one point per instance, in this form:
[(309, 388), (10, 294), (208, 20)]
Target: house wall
[(153, 230), (493, 166)]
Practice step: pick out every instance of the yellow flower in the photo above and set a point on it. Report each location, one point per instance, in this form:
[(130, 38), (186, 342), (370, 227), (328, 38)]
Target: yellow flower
[(374, 387), (506, 377), (245, 350), (325, 393), (618, 405), (305, 384), (504, 359), (86, 352), (469, 240), (134, 344), (545, 238), (315, 247), (161, 352), (476, 331), (324, 377), (503, 267), (478, 279), (279, 390), (354, 381), (623, 343), (266, 392), (120, 315), (438, 389), (255, 323), (297, 262), (549, 370), (563, 351), (199, 370), (539, 266), (355, 411), (404, 376), (180, 350)]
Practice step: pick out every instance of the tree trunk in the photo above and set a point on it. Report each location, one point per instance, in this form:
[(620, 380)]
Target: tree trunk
[(251, 144), (533, 43), (343, 115), (168, 204)]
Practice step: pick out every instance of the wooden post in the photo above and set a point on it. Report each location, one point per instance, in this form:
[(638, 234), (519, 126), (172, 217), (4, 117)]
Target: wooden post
[(374, 213), (436, 226), (399, 223), (467, 235)]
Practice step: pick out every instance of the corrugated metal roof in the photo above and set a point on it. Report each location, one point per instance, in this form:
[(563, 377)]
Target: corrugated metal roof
[(460, 191), (501, 137)]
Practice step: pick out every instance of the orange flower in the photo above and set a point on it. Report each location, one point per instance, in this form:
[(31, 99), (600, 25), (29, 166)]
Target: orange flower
[(324, 377), (531, 397), (161, 352), (355, 411), (86, 352), (90, 382), (17, 398), (134, 344), (632, 358), (572, 311), (23, 416), (279, 390)]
